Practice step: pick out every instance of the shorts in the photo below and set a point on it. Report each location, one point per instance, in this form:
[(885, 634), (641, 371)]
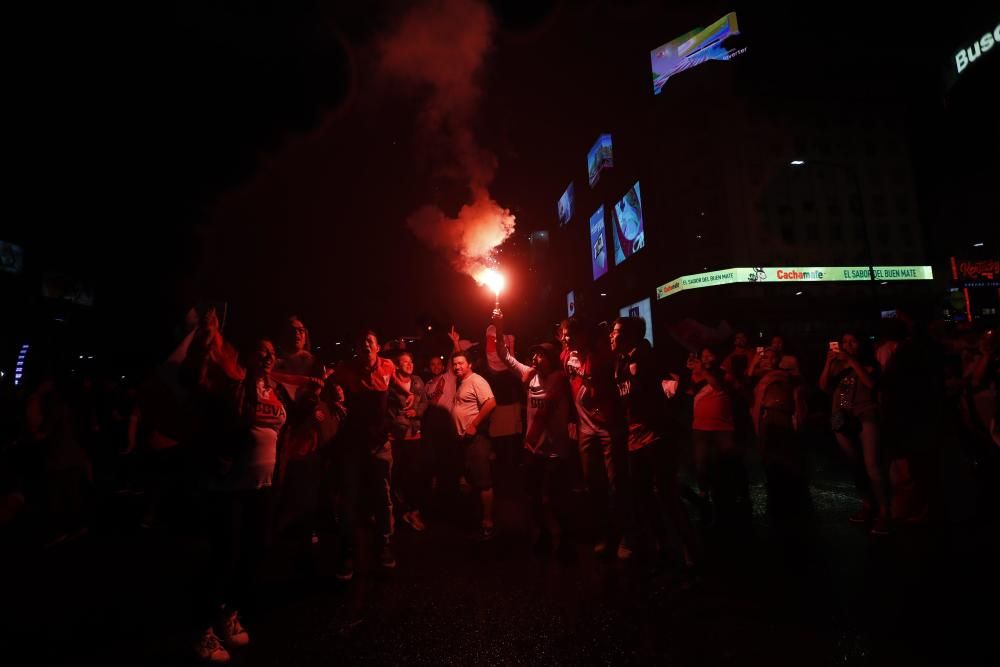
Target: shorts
[(478, 452)]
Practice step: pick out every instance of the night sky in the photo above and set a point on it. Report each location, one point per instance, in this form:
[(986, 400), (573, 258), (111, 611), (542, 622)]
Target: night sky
[(253, 153)]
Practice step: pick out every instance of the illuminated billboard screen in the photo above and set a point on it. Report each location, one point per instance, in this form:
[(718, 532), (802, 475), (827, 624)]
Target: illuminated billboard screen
[(626, 222), (566, 205), (793, 274), (570, 304), (11, 257), (694, 48), (598, 244), (641, 309), (67, 288), (599, 158)]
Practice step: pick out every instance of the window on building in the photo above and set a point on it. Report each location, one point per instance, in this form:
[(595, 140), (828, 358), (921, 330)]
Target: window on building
[(854, 203), (879, 207), (906, 235), (902, 204)]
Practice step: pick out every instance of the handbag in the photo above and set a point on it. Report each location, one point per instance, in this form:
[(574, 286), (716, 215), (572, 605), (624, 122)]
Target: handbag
[(842, 418)]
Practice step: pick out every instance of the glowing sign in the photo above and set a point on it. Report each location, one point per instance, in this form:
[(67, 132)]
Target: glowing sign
[(626, 223), (967, 56), (599, 158), (11, 257), (565, 206), (976, 269), (692, 49), (19, 367), (644, 310), (792, 274), (598, 244)]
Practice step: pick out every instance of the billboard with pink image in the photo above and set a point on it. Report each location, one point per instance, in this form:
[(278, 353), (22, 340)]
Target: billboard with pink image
[(626, 223)]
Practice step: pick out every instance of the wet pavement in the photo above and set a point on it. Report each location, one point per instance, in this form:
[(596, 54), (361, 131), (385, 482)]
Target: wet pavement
[(820, 593)]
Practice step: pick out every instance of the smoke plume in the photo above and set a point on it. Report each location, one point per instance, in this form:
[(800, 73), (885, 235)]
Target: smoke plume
[(438, 47)]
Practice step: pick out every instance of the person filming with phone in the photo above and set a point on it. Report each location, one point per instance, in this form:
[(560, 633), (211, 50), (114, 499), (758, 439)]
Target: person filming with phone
[(850, 376)]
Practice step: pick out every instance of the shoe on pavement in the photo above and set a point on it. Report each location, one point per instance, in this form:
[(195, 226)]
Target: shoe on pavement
[(487, 533), (210, 649), (386, 558), (232, 633), (690, 577), (863, 515), (415, 521), (345, 572), (880, 527)]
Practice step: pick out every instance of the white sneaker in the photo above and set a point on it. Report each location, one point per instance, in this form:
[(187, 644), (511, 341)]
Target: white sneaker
[(210, 649), (233, 633)]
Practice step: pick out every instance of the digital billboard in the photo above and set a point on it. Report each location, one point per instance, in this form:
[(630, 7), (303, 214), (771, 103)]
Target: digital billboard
[(599, 158), (565, 206), (794, 274), (693, 48), (67, 288), (570, 304), (626, 224), (641, 309), (598, 244), (11, 257)]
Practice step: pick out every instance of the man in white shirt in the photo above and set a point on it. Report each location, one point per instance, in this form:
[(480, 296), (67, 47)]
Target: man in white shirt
[(472, 405)]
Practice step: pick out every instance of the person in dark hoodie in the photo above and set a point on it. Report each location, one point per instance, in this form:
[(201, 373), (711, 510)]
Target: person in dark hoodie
[(600, 434), (653, 461)]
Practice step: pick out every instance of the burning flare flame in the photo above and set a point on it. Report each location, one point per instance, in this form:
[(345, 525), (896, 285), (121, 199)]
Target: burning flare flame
[(492, 279)]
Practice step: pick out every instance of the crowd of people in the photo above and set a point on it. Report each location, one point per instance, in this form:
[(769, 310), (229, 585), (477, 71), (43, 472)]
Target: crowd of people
[(598, 428)]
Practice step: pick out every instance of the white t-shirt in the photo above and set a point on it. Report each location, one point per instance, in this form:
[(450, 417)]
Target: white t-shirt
[(446, 383), (555, 436), (470, 395)]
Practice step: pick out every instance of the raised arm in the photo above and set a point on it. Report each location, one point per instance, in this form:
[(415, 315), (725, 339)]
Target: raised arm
[(455, 339), (524, 370)]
